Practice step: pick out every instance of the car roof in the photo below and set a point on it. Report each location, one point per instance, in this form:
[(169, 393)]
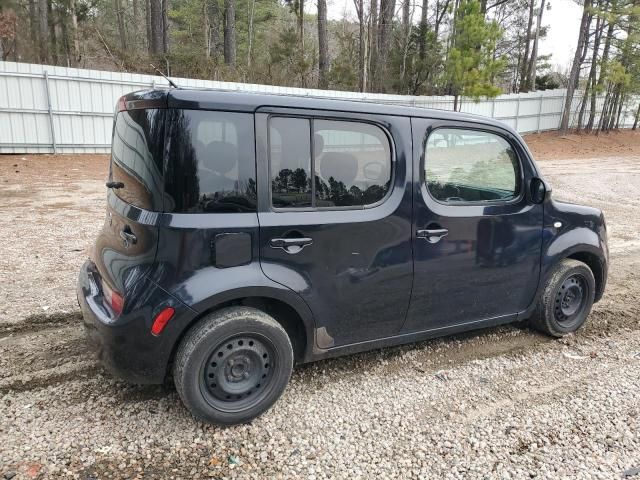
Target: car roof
[(210, 99)]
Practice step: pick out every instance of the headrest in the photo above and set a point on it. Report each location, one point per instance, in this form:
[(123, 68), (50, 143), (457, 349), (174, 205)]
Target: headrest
[(343, 167), (318, 144), (221, 157)]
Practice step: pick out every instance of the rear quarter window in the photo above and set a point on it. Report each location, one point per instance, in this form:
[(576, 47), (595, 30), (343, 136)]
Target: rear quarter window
[(136, 157), (211, 162)]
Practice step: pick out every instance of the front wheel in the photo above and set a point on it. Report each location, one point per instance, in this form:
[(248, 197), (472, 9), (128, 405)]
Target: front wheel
[(566, 299), (233, 365)]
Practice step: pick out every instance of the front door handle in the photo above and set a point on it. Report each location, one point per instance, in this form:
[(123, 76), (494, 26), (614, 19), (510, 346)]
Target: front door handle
[(432, 235), (290, 245), (128, 237)]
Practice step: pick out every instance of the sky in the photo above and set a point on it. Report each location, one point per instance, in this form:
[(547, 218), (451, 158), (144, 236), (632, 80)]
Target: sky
[(563, 20)]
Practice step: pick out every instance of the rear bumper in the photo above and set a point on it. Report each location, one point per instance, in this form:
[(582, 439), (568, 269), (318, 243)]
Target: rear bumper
[(125, 345)]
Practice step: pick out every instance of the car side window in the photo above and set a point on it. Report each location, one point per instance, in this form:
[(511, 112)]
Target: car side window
[(351, 162), (211, 167), (290, 158), (470, 166)]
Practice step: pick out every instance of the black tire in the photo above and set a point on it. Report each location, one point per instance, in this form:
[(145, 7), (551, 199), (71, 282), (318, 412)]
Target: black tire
[(566, 300), (233, 365)]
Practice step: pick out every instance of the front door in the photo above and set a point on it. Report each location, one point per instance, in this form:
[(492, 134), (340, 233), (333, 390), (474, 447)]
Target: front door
[(476, 235), (335, 218)]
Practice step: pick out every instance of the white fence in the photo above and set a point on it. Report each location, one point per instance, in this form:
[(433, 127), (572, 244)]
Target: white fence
[(45, 109)]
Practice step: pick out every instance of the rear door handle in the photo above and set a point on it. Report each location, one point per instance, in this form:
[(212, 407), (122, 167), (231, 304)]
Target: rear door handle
[(128, 237), (290, 245), (432, 235)]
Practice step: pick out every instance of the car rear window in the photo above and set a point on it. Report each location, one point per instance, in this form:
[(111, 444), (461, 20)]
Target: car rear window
[(211, 162), (136, 157)]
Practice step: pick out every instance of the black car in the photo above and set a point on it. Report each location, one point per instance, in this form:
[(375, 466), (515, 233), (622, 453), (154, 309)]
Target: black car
[(247, 232)]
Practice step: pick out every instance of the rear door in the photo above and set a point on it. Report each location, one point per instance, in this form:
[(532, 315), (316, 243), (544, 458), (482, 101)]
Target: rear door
[(126, 247), (335, 217), (477, 236)]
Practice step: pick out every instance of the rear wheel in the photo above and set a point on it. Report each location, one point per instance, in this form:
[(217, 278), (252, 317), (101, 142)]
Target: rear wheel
[(566, 300), (233, 365)]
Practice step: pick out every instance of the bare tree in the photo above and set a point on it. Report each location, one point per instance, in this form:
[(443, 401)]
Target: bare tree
[(575, 67), (229, 32)]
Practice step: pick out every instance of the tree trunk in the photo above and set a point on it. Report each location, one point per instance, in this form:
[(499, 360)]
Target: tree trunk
[(251, 12), (387, 8), (301, 22), (373, 41), (405, 41), (205, 29), (43, 32), (591, 80), (601, 77), (33, 24), (53, 37), (359, 5), (531, 73), (156, 24), (165, 28), (439, 16), (637, 119), (575, 68), (229, 32), (122, 32), (595, 86), (74, 31), (583, 104), (620, 105), (527, 42), (605, 108), (422, 42), (66, 44), (147, 15), (323, 45)]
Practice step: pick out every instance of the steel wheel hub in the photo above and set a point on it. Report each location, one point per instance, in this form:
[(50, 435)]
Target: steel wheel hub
[(237, 370), (569, 298)]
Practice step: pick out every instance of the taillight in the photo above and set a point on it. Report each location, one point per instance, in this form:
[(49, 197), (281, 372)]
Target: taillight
[(161, 320), (121, 106), (113, 299)]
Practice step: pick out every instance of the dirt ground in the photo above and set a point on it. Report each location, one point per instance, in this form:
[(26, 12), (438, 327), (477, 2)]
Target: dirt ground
[(501, 403)]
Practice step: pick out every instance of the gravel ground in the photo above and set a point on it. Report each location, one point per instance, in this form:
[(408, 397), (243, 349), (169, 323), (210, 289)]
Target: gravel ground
[(501, 403)]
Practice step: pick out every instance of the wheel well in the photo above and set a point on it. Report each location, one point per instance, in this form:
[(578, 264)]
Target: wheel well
[(593, 262), (284, 314)]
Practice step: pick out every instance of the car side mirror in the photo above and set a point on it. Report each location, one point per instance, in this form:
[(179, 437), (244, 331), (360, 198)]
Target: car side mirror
[(538, 190)]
